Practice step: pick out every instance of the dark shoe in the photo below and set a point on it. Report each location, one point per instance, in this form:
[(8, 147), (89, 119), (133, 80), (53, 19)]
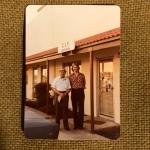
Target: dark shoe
[(58, 122), (81, 128), (67, 128), (75, 128)]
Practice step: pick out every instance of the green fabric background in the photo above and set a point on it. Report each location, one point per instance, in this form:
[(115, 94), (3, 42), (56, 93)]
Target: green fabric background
[(135, 78)]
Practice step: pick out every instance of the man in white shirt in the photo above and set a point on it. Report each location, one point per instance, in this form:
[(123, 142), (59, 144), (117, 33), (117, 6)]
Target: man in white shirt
[(61, 86)]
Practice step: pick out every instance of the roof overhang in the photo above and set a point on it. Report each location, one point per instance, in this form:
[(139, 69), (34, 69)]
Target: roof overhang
[(99, 45)]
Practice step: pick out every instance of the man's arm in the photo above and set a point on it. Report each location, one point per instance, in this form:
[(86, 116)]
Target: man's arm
[(84, 81), (67, 92), (57, 92)]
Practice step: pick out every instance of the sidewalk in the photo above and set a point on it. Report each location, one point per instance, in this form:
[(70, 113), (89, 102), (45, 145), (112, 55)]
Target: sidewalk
[(85, 134)]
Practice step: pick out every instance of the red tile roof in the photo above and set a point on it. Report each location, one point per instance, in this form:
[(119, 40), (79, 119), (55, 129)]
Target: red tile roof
[(42, 54), (98, 37)]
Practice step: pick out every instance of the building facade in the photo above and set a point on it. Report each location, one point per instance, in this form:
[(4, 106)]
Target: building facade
[(99, 60)]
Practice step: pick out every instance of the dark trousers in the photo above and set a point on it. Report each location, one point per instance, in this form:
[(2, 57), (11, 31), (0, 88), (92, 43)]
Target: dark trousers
[(77, 97), (62, 111)]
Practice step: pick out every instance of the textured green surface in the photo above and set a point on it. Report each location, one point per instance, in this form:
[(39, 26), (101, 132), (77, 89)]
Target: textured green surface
[(135, 78)]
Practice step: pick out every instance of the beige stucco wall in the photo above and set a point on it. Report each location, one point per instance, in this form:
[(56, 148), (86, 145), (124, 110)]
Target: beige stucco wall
[(116, 93), (86, 71), (29, 83), (51, 71), (56, 24)]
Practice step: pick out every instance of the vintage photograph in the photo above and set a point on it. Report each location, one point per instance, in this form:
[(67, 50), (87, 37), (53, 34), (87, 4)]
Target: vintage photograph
[(72, 63)]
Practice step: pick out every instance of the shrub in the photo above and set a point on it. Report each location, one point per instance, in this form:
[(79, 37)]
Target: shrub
[(41, 93), (30, 103)]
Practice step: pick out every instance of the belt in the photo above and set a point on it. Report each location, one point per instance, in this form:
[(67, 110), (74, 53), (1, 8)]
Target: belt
[(78, 89), (62, 91)]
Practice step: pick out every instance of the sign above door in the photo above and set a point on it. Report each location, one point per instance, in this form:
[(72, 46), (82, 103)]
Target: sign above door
[(66, 46)]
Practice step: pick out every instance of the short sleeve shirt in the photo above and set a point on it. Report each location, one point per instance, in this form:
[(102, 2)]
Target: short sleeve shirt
[(61, 84)]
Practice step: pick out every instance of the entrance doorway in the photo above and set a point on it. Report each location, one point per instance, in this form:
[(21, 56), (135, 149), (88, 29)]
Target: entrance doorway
[(105, 96)]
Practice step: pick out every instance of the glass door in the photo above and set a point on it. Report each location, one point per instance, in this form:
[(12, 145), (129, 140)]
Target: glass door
[(106, 88)]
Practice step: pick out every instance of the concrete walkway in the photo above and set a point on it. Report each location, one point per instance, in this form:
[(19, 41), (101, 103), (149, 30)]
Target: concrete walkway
[(85, 134)]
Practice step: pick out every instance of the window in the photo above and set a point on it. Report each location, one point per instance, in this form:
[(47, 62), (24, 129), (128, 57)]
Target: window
[(44, 74), (35, 76), (35, 81)]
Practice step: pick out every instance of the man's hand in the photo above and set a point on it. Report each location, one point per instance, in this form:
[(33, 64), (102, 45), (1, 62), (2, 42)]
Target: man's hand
[(67, 92), (62, 95)]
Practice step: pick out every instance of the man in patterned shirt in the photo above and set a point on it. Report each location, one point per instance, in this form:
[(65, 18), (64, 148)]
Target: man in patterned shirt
[(77, 81)]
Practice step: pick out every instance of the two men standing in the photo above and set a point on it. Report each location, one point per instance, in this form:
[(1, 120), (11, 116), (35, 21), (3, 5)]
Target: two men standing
[(62, 86)]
